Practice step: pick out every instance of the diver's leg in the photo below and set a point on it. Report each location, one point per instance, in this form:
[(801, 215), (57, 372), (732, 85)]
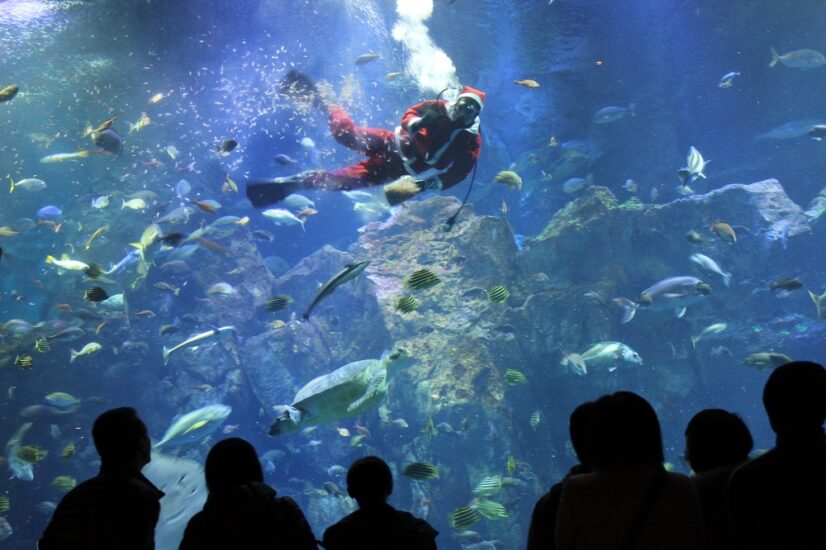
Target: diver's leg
[(369, 141), (367, 173)]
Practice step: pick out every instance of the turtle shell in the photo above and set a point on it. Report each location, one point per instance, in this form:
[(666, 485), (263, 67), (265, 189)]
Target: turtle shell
[(336, 390)]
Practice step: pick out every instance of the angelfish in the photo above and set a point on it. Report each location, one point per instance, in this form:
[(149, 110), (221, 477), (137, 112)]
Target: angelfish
[(350, 272), (195, 340)]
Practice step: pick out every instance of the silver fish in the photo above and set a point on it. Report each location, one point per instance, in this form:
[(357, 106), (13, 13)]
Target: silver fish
[(350, 272)]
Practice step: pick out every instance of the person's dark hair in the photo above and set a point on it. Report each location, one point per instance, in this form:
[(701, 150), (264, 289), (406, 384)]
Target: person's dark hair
[(581, 426), (118, 434), (369, 480), (795, 396), (628, 431), (230, 463), (715, 438)]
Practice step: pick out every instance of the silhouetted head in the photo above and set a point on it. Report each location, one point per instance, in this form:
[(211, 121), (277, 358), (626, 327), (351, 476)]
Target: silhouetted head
[(369, 481), (795, 397), (715, 438), (230, 463), (582, 427), (628, 432), (121, 439)]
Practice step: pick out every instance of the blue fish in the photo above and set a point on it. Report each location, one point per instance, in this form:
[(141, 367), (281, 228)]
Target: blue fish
[(130, 258), (50, 211)]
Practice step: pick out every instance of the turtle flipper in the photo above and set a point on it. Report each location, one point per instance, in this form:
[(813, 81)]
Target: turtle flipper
[(378, 384)]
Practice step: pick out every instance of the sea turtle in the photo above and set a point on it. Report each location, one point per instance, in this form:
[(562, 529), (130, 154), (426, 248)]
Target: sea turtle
[(346, 392)]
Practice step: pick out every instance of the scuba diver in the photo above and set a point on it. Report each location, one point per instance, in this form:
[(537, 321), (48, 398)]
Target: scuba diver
[(437, 145)]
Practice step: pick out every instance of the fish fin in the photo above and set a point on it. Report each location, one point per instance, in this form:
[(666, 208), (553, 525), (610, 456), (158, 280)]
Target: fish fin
[(11, 190), (680, 312), (629, 308), (674, 295), (72, 356), (775, 58), (694, 340), (818, 300), (64, 256), (166, 352), (726, 278)]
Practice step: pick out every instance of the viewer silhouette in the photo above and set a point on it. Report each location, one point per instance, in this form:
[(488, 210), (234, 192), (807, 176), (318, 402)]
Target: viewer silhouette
[(630, 501), (716, 442), (543, 522), (778, 500), (376, 525), (241, 511), (119, 507)]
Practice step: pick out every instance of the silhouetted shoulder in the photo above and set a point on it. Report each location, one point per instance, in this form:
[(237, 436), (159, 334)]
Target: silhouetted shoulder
[(379, 531)]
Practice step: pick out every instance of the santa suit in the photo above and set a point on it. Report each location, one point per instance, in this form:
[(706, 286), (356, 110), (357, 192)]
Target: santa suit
[(440, 154)]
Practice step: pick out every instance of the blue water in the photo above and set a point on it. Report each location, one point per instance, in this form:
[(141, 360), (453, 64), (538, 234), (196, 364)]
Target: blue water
[(218, 65)]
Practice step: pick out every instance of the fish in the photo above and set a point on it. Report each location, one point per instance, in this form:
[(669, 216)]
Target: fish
[(366, 58), (536, 418), (5, 527), (227, 147), (157, 98), (28, 184), (64, 483), (8, 93), (572, 185), (421, 471), (32, 453), (224, 290), (798, 59), (710, 330), (8, 232), (407, 304), (194, 426), (631, 186), (24, 361), (296, 201), (129, 259), (166, 287), (613, 113), (527, 83), (422, 279), (785, 284), (49, 211), (69, 334), (727, 80), (41, 345), (488, 486), (168, 329), (101, 202), (284, 160), (514, 377), (611, 355), (767, 360), (277, 303), (489, 508), (575, 362), (207, 206), (196, 340), (695, 238), (20, 469), (393, 75), (818, 300), (790, 130), (133, 204), (5, 505), (140, 124), (88, 349), (97, 233), (673, 293), (724, 231), (229, 184), (68, 451), (109, 141), (280, 216), (695, 166), (498, 294), (509, 178), (710, 265), (62, 400), (348, 273), (464, 516), (817, 132), (62, 157)]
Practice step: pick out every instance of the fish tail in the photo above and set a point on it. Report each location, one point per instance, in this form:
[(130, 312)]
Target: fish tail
[(83, 154), (72, 355), (818, 300), (775, 58), (629, 308), (166, 352), (122, 204), (51, 259), (694, 340), (726, 278), (11, 180), (177, 292)]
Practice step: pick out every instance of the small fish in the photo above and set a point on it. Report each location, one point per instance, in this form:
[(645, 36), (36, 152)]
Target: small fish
[(109, 141), (488, 486), (818, 300), (280, 216), (536, 418), (572, 185), (28, 184), (712, 266), (227, 147), (393, 76), (157, 98), (514, 377), (222, 289), (277, 303), (8, 93), (503, 208), (343, 432), (727, 80), (41, 345), (141, 123), (406, 304), (817, 132), (166, 287), (95, 294), (785, 284), (8, 232), (630, 185), (133, 204), (509, 178), (767, 360), (498, 294), (366, 58), (527, 83), (284, 160), (695, 166), (61, 157), (68, 451), (168, 329), (421, 471), (348, 273), (88, 349), (229, 185), (204, 205), (422, 279), (710, 330), (173, 152), (489, 508), (64, 483), (695, 238), (798, 59), (5, 505), (32, 453), (613, 113), (24, 362), (724, 231), (196, 340), (101, 202), (49, 211), (97, 233), (463, 517)]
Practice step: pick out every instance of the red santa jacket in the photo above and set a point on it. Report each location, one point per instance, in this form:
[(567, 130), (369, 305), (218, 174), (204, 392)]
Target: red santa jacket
[(440, 152)]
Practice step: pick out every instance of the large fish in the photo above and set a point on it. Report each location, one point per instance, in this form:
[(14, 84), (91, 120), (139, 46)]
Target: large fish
[(350, 272), (195, 340), (194, 426), (673, 293), (20, 469)]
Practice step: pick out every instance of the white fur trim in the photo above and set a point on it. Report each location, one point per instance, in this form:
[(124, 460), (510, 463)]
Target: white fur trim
[(474, 97)]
